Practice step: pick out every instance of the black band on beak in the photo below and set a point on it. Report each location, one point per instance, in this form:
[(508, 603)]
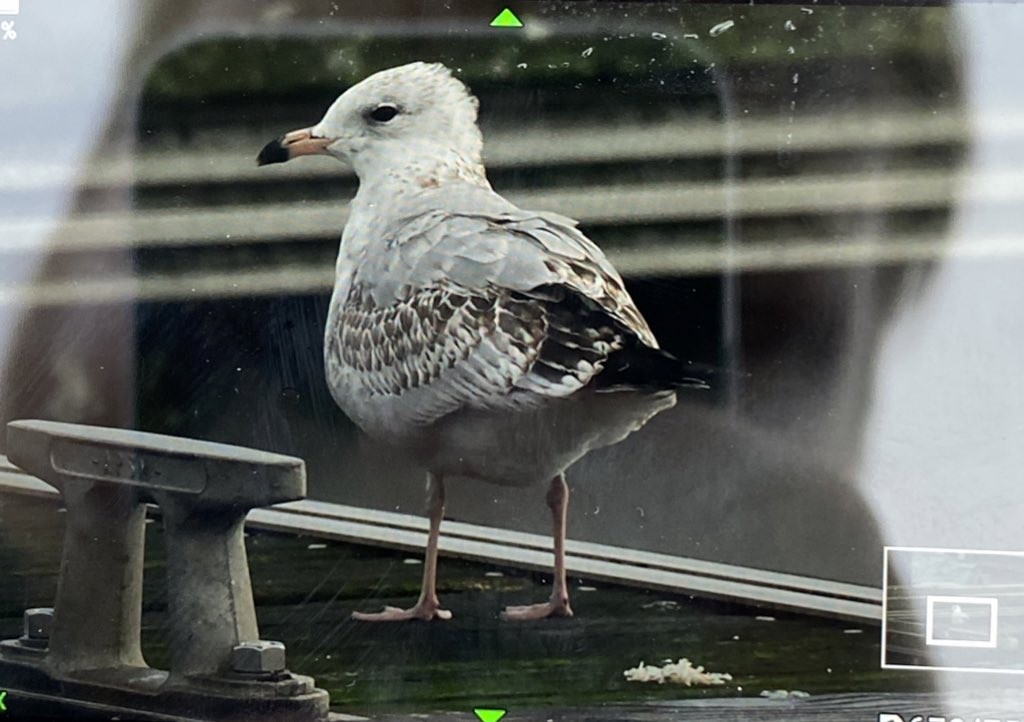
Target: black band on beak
[(273, 152)]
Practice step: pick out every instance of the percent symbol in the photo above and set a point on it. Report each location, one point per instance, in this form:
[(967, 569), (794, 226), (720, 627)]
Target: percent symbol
[(8, 27)]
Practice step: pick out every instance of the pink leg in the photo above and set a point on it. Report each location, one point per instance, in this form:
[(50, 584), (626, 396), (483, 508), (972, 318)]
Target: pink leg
[(558, 605), (427, 607)]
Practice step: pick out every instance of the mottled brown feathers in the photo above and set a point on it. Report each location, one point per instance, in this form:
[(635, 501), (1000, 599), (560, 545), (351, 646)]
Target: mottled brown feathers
[(540, 345)]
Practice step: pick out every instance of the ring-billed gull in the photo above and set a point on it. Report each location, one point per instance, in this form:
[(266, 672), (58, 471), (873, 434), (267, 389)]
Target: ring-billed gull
[(485, 340)]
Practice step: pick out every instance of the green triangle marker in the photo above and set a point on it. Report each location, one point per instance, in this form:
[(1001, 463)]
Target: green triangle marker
[(485, 714), (506, 19)]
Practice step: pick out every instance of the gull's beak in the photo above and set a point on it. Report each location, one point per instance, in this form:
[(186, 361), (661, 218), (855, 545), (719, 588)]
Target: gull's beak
[(292, 145)]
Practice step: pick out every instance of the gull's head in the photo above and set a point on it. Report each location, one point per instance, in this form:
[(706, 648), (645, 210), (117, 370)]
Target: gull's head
[(406, 112)]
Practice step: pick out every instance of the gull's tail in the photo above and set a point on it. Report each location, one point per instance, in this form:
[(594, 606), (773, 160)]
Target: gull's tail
[(643, 367)]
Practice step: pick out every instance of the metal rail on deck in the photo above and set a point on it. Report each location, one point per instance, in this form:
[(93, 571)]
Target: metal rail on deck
[(504, 547)]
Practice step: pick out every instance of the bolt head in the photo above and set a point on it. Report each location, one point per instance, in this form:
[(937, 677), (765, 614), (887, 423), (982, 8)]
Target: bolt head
[(38, 623), (260, 657)]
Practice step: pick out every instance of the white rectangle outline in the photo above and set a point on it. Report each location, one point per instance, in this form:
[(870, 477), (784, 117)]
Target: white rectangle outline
[(929, 622), (885, 602)]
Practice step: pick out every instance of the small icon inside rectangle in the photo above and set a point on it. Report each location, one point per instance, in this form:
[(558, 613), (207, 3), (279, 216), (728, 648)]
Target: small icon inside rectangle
[(952, 609), (961, 621), (10, 7)]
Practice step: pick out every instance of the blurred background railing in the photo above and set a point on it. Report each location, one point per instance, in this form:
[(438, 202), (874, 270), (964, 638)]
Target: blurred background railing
[(644, 213), (773, 194)]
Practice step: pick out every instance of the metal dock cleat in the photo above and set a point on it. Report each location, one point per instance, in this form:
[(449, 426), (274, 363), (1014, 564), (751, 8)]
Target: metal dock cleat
[(86, 650)]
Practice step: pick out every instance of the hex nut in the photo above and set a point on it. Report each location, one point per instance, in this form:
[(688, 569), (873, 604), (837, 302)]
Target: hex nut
[(38, 623), (260, 657)]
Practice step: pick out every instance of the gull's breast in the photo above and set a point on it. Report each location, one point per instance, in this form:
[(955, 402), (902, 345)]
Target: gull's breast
[(398, 368)]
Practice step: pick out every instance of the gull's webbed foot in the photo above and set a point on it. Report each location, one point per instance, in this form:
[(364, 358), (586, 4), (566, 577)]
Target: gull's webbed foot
[(553, 608), (422, 610)]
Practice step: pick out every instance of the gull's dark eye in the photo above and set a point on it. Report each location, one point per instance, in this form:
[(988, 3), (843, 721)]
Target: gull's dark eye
[(383, 113)]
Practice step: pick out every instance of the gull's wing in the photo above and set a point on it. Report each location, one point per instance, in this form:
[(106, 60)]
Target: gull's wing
[(472, 237), (477, 303)]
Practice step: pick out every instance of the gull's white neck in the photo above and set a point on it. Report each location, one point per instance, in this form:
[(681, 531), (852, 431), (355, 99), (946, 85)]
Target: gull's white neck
[(390, 172), (390, 178)]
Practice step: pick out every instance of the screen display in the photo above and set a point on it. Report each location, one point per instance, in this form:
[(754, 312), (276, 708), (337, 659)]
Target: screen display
[(563, 360)]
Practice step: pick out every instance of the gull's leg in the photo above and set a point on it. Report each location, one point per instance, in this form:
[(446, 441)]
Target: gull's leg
[(558, 605), (427, 607)]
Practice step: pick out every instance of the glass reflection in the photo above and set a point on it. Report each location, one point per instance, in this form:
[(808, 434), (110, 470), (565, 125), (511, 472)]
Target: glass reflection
[(817, 202)]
